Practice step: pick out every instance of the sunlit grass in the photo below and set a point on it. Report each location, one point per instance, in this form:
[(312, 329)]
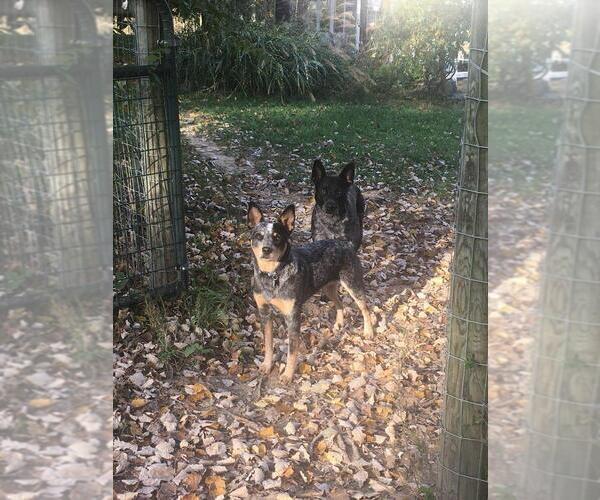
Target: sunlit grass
[(402, 144)]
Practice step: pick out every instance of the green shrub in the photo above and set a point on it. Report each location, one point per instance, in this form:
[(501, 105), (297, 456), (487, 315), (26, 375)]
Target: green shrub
[(415, 44), (257, 59)]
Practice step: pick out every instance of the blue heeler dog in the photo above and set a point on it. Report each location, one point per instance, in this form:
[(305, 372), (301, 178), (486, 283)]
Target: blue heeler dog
[(286, 276), (340, 206)]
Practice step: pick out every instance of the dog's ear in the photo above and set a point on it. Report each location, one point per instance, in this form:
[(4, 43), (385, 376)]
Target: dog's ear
[(318, 171), (347, 173), (254, 214), (288, 217)]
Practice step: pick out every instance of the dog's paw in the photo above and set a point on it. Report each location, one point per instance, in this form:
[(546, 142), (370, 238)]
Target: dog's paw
[(265, 368), (286, 377)]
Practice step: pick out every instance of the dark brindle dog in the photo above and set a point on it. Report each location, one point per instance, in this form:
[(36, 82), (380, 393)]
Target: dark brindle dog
[(285, 277), (340, 206)]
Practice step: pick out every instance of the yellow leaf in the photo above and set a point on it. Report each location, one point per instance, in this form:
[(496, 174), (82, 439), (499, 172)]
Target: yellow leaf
[(321, 446), (383, 411), (260, 449), (267, 400), (267, 432), (288, 472), (138, 402), (41, 403), (216, 485), (199, 392), (333, 457), (304, 369)]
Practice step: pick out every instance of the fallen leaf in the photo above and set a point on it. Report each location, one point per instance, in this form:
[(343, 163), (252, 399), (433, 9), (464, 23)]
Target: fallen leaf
[(198, 392), (192, 480), (267, 433), (41, 403), (216, 485)]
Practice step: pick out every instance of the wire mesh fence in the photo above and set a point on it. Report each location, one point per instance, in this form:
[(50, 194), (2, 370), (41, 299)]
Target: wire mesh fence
[(562, 459), (463, 450), (148, 235), (54, 200)]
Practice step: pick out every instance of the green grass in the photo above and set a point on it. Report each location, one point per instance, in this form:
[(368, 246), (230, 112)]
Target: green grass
[(523, 145), (525, 131), (403, 144)]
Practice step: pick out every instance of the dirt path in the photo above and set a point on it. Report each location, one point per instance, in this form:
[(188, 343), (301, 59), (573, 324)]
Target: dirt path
[(361, 418)]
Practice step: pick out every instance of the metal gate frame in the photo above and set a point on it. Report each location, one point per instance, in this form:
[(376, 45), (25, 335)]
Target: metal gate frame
[(67, 76), (164, 71)]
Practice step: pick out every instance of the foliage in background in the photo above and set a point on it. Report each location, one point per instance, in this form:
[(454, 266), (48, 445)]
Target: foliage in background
[(414, 45), (524, 35), (259, 59)]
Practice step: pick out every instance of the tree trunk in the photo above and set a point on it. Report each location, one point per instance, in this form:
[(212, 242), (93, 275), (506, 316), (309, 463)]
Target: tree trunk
[(363, 20), (332, 9), (463, 459), (563, 454), (318, 11), (283, 11)]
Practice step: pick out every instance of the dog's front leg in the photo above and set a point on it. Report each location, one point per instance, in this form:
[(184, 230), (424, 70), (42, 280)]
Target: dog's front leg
[(293, 328), (266, 320)]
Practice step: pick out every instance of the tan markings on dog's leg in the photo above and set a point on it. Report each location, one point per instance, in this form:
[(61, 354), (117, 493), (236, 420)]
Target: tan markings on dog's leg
[(266, 266), (284, 306), (267, 364), (362, 305), (331, 290), (290, 367), (260, 300)]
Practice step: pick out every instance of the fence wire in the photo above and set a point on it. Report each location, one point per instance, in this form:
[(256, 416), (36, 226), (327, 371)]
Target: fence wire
[(148, 236), (53, 200), (463, 447), (563, 454)]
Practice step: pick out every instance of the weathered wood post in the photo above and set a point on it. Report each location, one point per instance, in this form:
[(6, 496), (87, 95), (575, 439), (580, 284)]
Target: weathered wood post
[(563, 455), (463, 455)]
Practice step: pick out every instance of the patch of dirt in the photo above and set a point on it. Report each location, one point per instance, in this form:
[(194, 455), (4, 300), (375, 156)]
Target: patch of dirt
[(361, 418)]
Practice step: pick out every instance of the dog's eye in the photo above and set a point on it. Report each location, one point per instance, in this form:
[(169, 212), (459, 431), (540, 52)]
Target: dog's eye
[(258, 236)]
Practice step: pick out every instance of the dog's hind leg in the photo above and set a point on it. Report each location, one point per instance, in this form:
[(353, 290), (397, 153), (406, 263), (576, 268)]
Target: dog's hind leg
[(331, 290), (352, 282)]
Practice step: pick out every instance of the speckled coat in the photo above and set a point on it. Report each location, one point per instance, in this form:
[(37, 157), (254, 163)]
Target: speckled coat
[(306, 269)]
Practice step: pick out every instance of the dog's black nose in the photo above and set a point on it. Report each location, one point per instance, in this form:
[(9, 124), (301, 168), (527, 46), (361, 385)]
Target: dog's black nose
[(267, 250)]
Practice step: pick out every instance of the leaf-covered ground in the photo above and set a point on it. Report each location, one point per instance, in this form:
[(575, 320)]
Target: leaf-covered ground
[(194, 419)]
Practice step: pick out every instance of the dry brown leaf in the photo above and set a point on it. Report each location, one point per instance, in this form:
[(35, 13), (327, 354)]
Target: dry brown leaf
[(41, 403), (321, 447), (138, 402), (192, 480), (216, 485), (304, 369), (267, 432), (198, 392), (383, 411)]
